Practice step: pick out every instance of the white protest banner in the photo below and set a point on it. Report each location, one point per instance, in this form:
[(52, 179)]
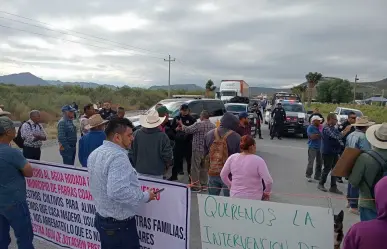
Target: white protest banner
[(62, 210), (251, 224)]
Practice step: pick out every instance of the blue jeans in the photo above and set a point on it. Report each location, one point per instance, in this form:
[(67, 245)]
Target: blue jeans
[(353, 196), (17, 217), (68, 156), (116, 234), (367, 214), (216, 185)]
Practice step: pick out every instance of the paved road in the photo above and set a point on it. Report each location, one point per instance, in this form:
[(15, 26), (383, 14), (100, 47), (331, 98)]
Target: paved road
[(286, 160)]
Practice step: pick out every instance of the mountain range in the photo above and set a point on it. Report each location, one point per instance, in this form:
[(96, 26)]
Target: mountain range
[(28, 79)]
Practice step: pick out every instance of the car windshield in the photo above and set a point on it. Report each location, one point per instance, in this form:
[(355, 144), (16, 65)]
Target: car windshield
[(236, 108), (293, 108), (173, 107), (347, 111), (228, 93)]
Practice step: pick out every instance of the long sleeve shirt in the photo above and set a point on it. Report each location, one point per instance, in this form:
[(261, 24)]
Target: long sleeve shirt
[(199, 130), (358, 140), (113, 182), (67, 133), (331, 140), (247, 172), (88, 143), (28, 130)]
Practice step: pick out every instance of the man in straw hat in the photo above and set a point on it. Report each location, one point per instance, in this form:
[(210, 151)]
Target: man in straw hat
[(93, 139), (14, 210), (357, 139), (3, 113), (369, 168), (151, 149)]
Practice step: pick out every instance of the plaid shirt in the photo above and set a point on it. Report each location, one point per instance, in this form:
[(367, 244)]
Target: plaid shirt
[(67, 133), (199, 130), (28, 130)]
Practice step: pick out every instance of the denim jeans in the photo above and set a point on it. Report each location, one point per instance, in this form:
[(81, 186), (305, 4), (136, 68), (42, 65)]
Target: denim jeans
[(116, 234), (367, 214), (330, 161), (353, 196), (68, 156), (17, 217), (216, 185)]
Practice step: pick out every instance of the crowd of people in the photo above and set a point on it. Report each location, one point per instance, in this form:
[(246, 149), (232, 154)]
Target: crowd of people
[(220, 159)]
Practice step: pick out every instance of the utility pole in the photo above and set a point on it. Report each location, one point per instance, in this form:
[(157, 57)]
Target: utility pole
[(354, 89), (169, 74)]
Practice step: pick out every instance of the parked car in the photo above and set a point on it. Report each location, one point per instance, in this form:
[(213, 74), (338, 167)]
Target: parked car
[(236, 108), (342, 114), (215, 108), (296, 118)]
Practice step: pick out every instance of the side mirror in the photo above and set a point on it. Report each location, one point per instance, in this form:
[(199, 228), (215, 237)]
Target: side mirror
[(195, 115), (310, 112)]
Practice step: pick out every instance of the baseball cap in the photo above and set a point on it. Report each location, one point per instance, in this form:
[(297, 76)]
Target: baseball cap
[(162, 110), (184, 107), (67, 108), (243, 115), (315, 117), (6, 124)]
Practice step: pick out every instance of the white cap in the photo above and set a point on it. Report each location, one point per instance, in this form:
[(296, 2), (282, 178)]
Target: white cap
[(315, 117)]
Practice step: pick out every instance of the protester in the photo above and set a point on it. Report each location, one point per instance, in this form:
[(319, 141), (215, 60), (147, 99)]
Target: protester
[(93, 139), (163, 113), (199, 175), (244, 127), (183, 143), (259, 119), (316, 112), (88, 111), (67, 135), (219, 144), (75, 106), (121, 112), (33, 134), (358, 140), (152, 152), (314, 146), (371, 234), (264, 104), (279, 117), (247, 170), (348, 123), (116, 189), (368, 170), (107, 112), (330, 150), (14, 211), (4, 113)]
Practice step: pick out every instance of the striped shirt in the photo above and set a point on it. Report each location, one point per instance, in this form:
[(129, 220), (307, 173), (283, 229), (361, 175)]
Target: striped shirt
[(28, 130), (67, 133), (113, 182), (199, 130)]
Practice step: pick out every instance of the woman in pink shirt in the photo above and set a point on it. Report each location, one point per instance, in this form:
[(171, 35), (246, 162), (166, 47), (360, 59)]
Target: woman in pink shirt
[(248, 172)]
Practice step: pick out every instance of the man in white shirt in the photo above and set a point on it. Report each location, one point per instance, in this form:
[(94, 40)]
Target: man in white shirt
[(33, 134)]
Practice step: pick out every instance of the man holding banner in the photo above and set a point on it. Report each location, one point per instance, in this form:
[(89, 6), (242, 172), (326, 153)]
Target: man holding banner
[(13, 204), (116, 188)]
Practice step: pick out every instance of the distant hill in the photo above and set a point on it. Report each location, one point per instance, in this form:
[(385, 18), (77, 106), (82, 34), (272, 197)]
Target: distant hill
[(254, 90), (81, 84), (185, 87), (23, 79)]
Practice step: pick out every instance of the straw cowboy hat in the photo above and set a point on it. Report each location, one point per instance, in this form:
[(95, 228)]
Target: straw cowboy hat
[(95, 121), (4, 113), (377, 135), (363, 121), (152, 120)]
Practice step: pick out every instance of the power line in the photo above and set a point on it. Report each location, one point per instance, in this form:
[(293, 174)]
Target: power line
[(93, 36), (31, 32), (65, 33)]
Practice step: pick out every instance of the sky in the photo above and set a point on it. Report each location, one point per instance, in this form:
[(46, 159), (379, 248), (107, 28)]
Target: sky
[(270, 43)]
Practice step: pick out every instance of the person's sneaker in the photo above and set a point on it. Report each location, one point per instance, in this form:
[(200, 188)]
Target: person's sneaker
[(172, 178), (335, 190), (271, 138), (354, 211), (195, 190), (340, 180), (348, 205), (181, 173), (260, 137), (322, 188), (317, 178), (309, 179)]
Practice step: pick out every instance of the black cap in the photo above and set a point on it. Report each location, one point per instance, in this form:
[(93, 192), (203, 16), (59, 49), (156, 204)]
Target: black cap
[(184, 107)]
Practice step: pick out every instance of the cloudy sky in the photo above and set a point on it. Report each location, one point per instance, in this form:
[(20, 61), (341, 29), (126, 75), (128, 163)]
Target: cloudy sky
[(265, 42)]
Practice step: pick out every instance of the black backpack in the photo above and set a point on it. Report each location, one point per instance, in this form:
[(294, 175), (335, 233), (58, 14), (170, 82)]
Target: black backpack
[(18, 140), (382, 170)]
